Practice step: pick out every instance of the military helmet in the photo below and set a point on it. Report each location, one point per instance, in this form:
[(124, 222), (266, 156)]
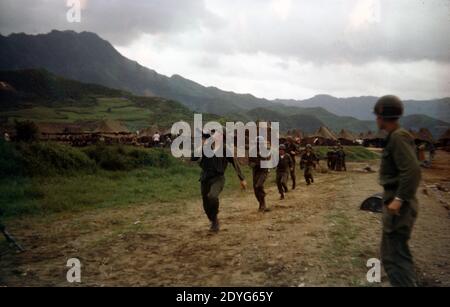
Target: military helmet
[(308, 146), (389, 107), (282, 147)]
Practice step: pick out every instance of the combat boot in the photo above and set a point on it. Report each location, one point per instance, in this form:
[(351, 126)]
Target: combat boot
[(215, 225)]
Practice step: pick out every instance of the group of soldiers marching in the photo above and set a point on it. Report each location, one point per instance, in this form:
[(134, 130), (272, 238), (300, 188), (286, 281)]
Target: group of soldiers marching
[(336, 159), (399, 176), (286, 168), (213, 169)]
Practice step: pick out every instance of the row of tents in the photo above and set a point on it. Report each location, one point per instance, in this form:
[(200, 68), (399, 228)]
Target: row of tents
[(115, 132), (325, 136), (88, 133)]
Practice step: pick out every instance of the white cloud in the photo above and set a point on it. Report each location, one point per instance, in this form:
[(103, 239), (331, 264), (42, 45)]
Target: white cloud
[(270, 48)]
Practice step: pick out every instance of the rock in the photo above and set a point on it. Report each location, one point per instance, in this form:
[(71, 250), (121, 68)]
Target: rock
[(441, 188), (425, 192)]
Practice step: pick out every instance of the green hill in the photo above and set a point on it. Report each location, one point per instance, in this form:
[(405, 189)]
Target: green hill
[(86, 57), (40, 96)]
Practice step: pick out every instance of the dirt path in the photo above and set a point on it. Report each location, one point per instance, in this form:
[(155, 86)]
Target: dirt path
[(316, 237)]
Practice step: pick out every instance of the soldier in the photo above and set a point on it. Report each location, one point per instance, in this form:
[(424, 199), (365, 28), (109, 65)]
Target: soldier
[(292, 149), (212, 182), (308, 162), (284, 167), (400, 177), (331, 157), (340, 159), (343, 156), (259, 175)]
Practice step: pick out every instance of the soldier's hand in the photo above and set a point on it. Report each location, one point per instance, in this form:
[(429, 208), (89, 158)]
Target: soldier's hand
[(244, 185), (394, 207)]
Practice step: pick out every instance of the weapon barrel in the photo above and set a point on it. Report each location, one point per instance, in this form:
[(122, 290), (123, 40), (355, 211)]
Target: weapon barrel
[(10, 239)]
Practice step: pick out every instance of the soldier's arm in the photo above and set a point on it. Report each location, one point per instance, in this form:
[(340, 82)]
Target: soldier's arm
[(237, 168), (408, 167), (291, 162)]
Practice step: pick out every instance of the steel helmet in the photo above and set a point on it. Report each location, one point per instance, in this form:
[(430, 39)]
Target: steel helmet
[(389, 107)]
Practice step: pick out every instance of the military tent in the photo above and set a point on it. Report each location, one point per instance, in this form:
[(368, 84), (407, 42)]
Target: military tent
[(345, 137), (322, 137), (444, 140), (111, 127)]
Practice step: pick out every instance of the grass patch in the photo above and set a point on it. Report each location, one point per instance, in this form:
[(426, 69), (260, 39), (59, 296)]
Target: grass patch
[(343, 255), (353, 153), (140, 176)]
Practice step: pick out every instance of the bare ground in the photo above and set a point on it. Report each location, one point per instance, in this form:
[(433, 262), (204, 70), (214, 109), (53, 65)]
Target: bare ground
[(316, 237)]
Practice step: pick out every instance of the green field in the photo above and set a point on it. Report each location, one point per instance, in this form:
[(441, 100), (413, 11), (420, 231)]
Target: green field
[(131, 113), (45, 177), (353, 153)]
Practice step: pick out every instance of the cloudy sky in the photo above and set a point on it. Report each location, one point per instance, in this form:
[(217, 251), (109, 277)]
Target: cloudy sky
[(270, 48)]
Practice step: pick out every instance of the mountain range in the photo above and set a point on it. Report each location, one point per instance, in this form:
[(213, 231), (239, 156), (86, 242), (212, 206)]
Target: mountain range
[(88, 58)]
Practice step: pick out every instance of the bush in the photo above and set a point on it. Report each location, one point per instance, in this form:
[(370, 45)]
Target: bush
[(120, 158), (10, 160), (45, 159), (26, 131), (155, 158), (111, 158)]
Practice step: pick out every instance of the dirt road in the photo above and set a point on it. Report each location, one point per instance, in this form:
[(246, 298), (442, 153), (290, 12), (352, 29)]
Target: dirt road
[(316, 237)]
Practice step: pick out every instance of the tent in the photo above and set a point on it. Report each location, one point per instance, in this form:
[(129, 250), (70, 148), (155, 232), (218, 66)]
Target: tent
[(444, 140), (4, 86), (323, 136), (425, 135), (377, 139), (110, 127), (346, 137), (295, 133)]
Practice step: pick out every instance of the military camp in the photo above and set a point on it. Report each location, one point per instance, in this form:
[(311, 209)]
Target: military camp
[(224, 150)]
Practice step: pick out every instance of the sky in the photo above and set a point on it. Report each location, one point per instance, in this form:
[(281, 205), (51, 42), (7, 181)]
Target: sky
[(288, 49)]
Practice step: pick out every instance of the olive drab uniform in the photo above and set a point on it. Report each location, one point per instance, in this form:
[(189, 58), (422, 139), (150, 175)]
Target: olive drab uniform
[(400, 176), (259, 178), (340, 160), (292, 150), (285, 165), (331, 159), (308, 162), (213, 180)]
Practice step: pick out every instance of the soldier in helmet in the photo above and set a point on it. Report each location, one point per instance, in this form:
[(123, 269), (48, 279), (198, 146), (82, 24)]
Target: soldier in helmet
[(284, 167), (260, 174), (340, 159), (213, 181), (400, 177), (307, 163), (292, 149), (331, 158)]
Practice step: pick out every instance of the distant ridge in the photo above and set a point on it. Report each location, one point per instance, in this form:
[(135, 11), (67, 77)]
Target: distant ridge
[(88, 58)]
